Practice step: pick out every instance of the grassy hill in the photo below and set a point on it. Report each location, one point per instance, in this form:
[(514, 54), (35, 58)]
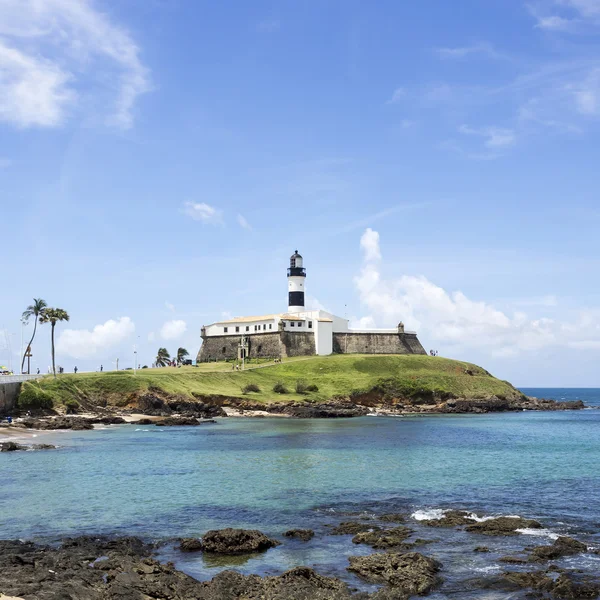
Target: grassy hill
[(409, 376)]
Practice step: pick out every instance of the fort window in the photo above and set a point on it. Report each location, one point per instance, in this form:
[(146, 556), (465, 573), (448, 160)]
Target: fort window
[(270, 325), (310, 324), (259, 349), (224, 349), (225, 329), (291, 323), (264, 327), (247, 327), (237, 329)]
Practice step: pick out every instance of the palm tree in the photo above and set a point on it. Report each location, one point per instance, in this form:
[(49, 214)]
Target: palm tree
[(162, 357), (33, 310), (181, 354), (53, 316)]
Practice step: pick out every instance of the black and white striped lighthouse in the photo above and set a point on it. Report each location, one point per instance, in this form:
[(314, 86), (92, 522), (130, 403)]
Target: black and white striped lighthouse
[(296, 277)]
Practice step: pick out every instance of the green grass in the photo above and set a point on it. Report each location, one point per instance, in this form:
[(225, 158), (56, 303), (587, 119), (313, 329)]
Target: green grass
[(337, 375)]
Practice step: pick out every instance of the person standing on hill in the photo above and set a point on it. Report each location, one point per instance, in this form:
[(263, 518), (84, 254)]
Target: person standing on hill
[(75, 370)]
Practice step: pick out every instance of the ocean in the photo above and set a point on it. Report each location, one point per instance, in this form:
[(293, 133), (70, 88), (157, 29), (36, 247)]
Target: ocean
[(273, 474)]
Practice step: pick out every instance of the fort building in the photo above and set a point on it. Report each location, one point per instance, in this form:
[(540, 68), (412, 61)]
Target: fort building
[(299, 332)]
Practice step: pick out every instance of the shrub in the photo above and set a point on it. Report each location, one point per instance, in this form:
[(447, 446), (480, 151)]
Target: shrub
[(279, 388), (312, 388), (71, 406), (301, 386), (32, 398), (250, 387)]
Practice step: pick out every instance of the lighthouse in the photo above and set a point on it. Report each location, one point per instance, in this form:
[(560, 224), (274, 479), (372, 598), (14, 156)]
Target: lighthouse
[(296, 277)]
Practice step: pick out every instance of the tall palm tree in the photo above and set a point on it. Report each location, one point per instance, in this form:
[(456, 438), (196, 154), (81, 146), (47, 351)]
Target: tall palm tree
[(53, 316), (181, 354), (33, 310), (162, 357)]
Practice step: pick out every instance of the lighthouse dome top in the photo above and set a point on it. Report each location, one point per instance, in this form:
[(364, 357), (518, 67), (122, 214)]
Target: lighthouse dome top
[(296, 260)]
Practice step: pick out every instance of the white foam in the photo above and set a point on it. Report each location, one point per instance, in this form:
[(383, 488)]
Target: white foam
[(427, 514), (538, 533)]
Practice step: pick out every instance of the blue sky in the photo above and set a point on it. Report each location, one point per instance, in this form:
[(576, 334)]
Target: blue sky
[(434, 162)]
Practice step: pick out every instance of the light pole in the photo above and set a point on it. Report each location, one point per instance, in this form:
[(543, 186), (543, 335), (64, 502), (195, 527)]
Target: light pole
[(134, 359), (21, 353)]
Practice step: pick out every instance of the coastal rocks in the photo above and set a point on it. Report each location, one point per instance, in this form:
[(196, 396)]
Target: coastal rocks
[(73, 423), (301, 534), (13, 447), (177, 421), (451, 518), (236, 541), (301, 583), (331, 410), (353, 528), (481, 549), (503, 526), (411, 573), (383, 539), (190, 545), (566, 586), (392, 517), (543, 404), (110, 420), (153, 404), (563, 546)]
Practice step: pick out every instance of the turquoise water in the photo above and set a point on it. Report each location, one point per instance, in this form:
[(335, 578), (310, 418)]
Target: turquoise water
[(273, 474)]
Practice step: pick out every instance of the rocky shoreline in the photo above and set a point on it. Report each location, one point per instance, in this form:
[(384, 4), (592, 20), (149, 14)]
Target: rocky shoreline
[(399, 566)]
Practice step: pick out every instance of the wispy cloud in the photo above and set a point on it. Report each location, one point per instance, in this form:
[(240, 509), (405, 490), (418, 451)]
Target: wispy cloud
[(58, 55), (482, 49), (397, 96), (243, 223), (172, 330), (205, 213), (495, 137)]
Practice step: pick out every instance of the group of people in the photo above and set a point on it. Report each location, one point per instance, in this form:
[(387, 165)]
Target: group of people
[(433, 352)]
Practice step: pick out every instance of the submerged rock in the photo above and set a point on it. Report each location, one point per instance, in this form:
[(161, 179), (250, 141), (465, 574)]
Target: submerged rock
[(190, 545), (353, 528), (563, 546), (302, 534), (236, 541), (382, 539), (177, 421), (451, 518), (503, 526), (481, 549), (411, 573), (393, 517), (11, 447)]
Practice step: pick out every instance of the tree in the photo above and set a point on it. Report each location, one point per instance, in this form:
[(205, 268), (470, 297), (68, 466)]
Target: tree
[(33, 310), (162, 357), (53, 316), (181, 354)]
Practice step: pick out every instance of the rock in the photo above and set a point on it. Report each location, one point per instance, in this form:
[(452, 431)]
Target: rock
[(513, 560), (393, 518), (178, 421), (563, 546), (383, 539), (411, 573), (503, 526), (451, 518), (302, 534), (353, 528), (236, 541), (567, 586), (144, 422), (190, 545), (481, 549), (43, 447), (110, 420), (11, 447), (74, 423)]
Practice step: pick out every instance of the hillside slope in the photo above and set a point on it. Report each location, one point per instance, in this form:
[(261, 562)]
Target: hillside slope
[(362, 378)]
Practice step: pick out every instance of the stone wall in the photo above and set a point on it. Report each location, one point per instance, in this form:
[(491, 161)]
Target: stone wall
[(301, 343), (225, 347), (9, 392), (377, 343)]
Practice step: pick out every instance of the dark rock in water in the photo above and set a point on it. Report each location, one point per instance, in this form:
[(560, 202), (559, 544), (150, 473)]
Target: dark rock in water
[(567, 586), (236, 541), (300, 583), (190, 545), (74, 423), (144, 422), (302, 534), (451, 518), (513, 560), (382, 539), (563, 546), (110, 420), (411, 573), (503, 526), (481, 549), (332, 410), (43, 447), (176, 421), (11, 447), (352, 528), (393, 518)]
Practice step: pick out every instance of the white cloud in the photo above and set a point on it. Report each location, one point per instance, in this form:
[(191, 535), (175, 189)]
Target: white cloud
[(554, 23), (587, 94), (453, 319), (171, 330), (83, 343), (462, 52), (200, 211), (243, 223), (170, 306), (495, 137), (398, 94), (587, 8), (58, 54)]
